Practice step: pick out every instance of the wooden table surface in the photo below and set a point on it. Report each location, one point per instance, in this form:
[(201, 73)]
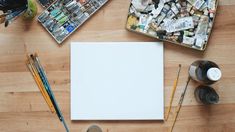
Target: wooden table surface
[(23, 109)]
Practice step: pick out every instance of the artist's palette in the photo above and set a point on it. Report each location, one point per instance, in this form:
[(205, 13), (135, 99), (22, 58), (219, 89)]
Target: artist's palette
[(184, 22), (63, 17)]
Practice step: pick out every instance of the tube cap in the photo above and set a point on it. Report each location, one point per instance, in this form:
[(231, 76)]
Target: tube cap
[(214, 74)]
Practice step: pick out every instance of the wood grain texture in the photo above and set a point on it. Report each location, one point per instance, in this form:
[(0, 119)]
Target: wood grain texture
[(23, 109)]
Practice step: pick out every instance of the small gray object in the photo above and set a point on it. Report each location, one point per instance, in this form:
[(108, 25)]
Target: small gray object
[(94, 128)]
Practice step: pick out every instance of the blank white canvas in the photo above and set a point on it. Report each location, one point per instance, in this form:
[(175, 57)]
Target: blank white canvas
[(117, 81)]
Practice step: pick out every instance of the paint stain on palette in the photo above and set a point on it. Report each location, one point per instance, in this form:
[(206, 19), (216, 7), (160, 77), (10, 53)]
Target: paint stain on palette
[(184, 22)]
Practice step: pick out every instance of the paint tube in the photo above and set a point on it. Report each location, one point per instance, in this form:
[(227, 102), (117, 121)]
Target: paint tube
[(179, 24)]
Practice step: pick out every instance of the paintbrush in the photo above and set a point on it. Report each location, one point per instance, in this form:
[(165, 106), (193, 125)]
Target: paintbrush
[(173, 93), (180, 104)]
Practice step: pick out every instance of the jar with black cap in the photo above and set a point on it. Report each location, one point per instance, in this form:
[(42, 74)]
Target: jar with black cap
[(205, 72), (206, 95)]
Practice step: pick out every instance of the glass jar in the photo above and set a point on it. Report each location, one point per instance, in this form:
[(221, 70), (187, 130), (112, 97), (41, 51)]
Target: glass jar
[(206, 95), (31, 11), (205, 72)]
